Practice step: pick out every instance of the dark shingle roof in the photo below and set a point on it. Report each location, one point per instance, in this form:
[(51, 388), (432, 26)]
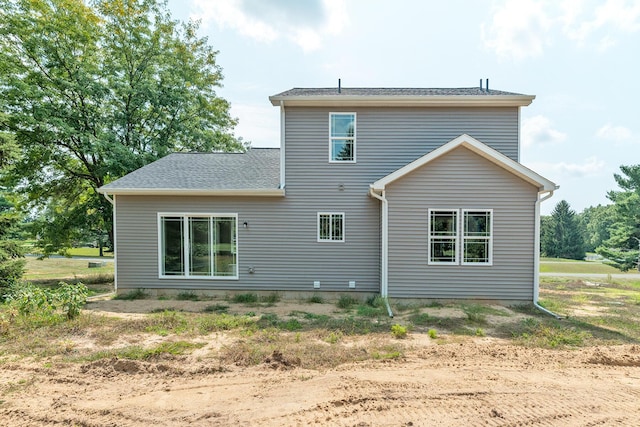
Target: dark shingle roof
[(333, 91), (257, 169)]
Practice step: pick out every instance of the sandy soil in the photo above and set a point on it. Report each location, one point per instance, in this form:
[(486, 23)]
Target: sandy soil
[(475, 382)]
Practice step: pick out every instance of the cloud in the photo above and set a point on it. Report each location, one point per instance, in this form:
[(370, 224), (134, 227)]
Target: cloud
[(259, 124), (614, 133), (517, 30), (591, 166), (520, 30), (538, 130), (305, 23)]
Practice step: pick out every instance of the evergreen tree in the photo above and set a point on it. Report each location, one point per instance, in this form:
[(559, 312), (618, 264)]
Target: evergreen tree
[(11, 261), (621, 249), (561, 234)]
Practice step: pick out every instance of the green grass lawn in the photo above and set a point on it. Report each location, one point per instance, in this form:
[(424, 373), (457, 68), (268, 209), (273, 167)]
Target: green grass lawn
[(558, 265), (63, 269), (89, 252)]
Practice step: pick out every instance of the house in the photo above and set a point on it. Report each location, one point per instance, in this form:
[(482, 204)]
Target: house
[(411, 193)]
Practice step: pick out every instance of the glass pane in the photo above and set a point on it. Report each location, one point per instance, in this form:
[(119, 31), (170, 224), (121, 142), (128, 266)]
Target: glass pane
[(477, 223), (224, 247), (336, 233), (342, 125), (324, 231), (443, 250), (172, 246), (200, 246), (476, 250), (443, 223), (342, 149)]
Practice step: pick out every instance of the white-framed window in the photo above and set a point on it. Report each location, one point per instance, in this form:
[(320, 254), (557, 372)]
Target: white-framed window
[(460, 237), (443, 236), (342, 137), (197, 245), (330, 227), (477, 236)]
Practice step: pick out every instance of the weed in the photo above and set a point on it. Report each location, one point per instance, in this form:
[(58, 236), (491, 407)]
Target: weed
[(334, 337), (187, 296), (223, 322), (420, 319), (399, 331), (480, 332), (216, 308), (433, 334), (249, 298), (369, 311), (174, 348), (132, 295), (272, 298), (315, 299), (345, 302)]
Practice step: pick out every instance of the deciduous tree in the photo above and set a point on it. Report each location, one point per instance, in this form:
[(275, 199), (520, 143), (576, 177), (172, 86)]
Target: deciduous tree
[(96, 91)]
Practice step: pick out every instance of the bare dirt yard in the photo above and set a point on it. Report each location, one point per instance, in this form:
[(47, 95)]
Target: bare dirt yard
[(283, 375)]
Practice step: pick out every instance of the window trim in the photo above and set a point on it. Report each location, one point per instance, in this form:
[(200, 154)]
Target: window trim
[(187, 247), (330, 240), (460, 237), (332, 138), (489, 237), (456, 239)]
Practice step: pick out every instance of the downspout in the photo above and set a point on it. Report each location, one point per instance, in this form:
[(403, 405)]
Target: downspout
[(115, 255), (282, 146), (384, 250), (536, 257)]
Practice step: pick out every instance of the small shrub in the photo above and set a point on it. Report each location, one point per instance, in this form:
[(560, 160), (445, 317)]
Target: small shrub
[(399, 331), (249, 298), (433, 334), (480, 332), (315, 299), (71, 298), (132, 295), (346, 302), (187, 296)]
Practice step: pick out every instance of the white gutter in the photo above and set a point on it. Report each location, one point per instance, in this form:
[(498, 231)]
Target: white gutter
[(282, 143), (384, 250), (536, 256)]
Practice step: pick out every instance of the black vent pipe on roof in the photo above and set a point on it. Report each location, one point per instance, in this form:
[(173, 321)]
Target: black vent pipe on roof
[(480, 84), (487, 85), (339, 86)]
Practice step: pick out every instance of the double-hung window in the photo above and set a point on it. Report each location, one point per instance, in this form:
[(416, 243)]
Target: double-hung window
[(330, 227), (342, 139), (460, 236), (198, 246)]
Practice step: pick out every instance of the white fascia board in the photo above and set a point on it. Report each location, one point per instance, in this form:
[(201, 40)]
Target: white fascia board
[(404, 101), (192, 192), (477, 147)]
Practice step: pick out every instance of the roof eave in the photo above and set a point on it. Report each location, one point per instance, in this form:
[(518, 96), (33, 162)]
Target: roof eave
[(261, 192), (403, 101)]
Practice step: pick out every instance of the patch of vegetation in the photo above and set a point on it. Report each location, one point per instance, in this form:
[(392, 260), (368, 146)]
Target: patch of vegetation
[(315, 299), (249, 298), (187, 296), (173, 348), (399, 331), (272, 298), (345, 302), (550, 334), (132, 295), (421, 319), (216, 308), (433, 334), (39, 302)]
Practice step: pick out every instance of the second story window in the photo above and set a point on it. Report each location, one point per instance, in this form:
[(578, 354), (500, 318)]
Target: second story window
[(342, 139)]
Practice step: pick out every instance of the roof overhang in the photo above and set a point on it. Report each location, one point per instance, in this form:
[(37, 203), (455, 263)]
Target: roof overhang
[(402, 101), (483, 150), (266, 192)]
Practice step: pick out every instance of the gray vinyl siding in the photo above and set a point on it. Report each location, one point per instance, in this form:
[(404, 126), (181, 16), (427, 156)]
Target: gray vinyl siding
[(280, 243), (281, 240), (461, 180)]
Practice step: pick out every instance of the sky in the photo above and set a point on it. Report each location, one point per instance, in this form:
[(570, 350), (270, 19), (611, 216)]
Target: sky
[(580, 58)]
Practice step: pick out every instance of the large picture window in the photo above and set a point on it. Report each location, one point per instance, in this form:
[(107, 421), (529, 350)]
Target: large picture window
[(342, 140), (465, 239), (330, 227), (198, 245)]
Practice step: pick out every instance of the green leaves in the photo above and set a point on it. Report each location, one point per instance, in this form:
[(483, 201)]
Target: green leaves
[(561, 235), (622, 248), (95, 92)]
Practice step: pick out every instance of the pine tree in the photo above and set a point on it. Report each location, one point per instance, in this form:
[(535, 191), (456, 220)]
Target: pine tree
[(561, 234)]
